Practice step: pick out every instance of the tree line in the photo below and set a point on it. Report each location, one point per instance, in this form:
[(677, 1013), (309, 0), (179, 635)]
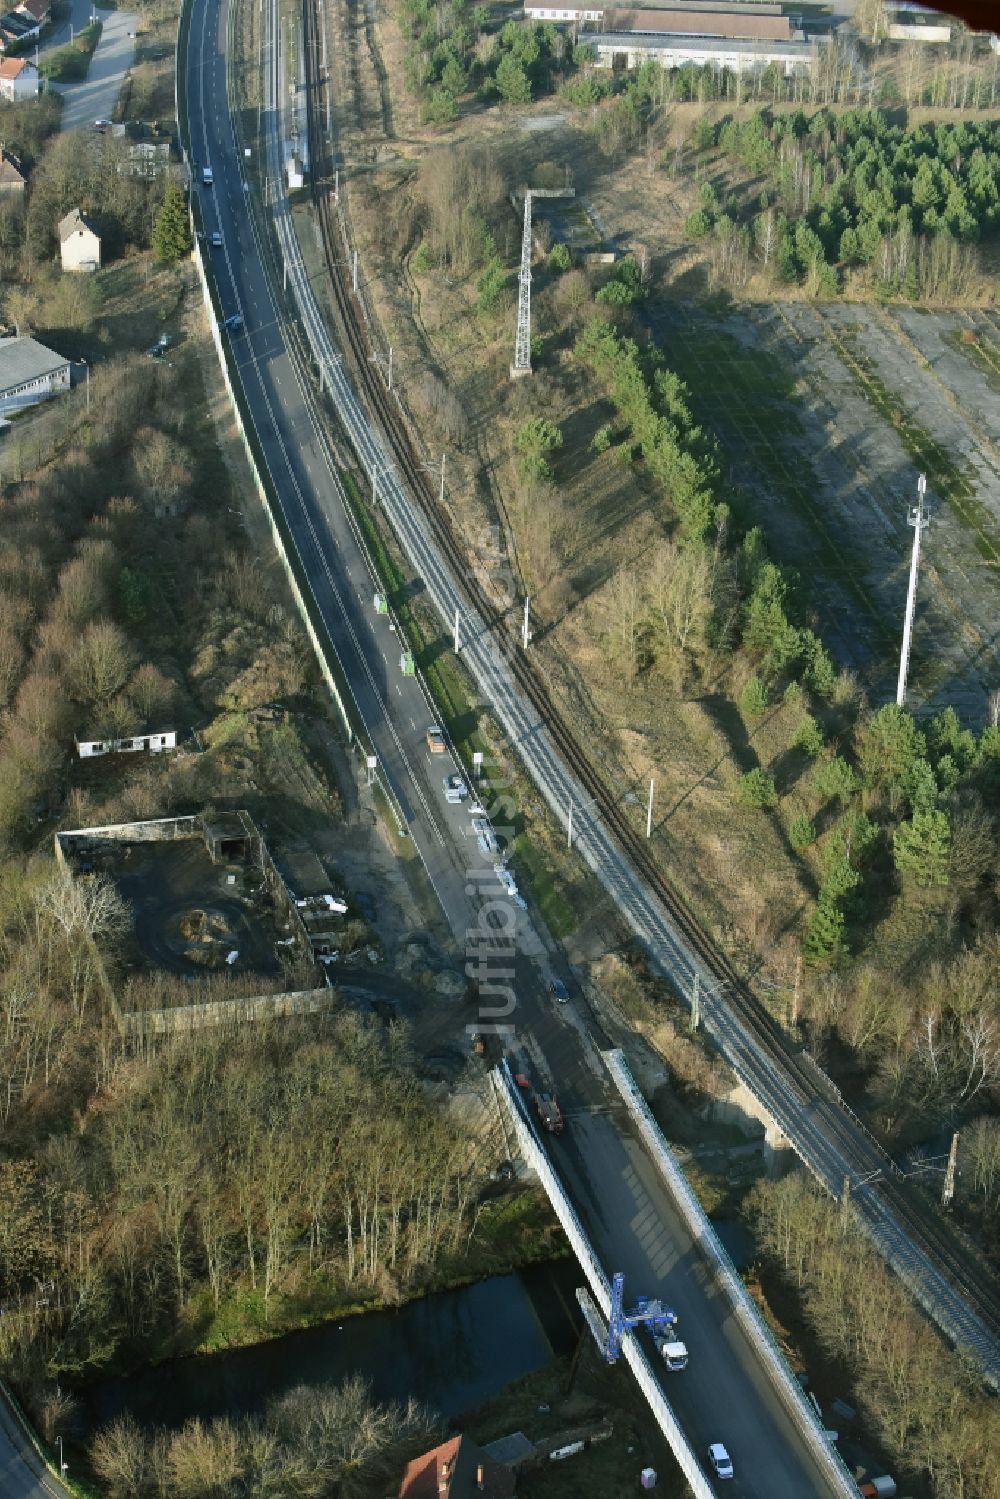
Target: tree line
[(943, 1432), (223, 1168), (331, 1442), (92, 172), (901, 818), (853, 196)]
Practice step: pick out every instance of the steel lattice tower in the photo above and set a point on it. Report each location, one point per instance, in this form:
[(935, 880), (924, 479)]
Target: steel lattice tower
[(522, 343)]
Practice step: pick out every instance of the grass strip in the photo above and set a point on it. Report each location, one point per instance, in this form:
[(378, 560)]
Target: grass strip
[(461, 717)]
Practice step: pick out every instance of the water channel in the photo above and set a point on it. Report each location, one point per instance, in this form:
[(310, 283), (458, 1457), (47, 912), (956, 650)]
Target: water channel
[(453, 1351)]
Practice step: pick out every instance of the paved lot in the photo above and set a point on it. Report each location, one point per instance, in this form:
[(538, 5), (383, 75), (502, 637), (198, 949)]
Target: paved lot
[(95, 98)]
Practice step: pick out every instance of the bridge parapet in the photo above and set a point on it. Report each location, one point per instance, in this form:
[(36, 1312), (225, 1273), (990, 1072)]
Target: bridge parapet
[(744, 1308), (536, 1158)]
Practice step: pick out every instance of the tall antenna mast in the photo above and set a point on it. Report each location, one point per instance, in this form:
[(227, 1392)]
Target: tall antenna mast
[(522, 342), (918, 520)]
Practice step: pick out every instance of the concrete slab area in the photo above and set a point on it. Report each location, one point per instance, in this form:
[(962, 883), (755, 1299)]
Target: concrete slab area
[(830, 478)]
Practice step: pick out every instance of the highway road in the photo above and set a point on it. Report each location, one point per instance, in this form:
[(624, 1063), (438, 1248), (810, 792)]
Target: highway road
[(724, 1395)]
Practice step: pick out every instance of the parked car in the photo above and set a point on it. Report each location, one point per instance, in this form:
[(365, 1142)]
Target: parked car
[(559, 991), (720, 1460), (435, 740), (102, 125), (455, 790)]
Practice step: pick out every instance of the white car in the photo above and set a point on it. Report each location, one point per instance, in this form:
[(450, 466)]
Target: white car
[(720, 1460), (215, 240), (455, 790)]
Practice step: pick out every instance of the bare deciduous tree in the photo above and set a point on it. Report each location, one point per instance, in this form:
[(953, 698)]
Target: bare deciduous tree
[(99, 664)]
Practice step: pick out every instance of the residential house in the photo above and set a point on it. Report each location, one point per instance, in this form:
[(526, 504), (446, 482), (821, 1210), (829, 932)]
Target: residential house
[(457, 1470), (79, 243), (11, 176), (34, 10), (15, 29), (29, 372), (18, 79)]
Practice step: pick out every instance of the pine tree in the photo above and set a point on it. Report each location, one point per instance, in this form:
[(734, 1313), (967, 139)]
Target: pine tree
[(172, 234)]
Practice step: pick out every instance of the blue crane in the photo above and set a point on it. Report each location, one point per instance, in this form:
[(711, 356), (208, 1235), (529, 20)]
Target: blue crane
[(660, 1319)]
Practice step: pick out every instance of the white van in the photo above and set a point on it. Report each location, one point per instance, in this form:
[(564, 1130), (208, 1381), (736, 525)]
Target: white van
[(206, 177), (675, 1355)]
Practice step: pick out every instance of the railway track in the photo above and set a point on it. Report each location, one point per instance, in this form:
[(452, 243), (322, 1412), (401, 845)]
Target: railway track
[(874, 1171)]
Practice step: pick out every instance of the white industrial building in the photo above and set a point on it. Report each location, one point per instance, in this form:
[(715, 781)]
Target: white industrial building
[(561, 17), (915, 31), (627, 49), (29, 373), (154, 744)]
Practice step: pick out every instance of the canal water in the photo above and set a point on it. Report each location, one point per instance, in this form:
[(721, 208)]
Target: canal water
[(452, 1351)]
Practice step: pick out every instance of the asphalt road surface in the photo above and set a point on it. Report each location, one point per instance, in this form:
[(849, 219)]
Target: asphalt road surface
[(724, 1395), (95, 97)]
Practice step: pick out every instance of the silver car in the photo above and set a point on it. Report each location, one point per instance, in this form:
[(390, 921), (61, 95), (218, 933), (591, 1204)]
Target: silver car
[(720, 1460)]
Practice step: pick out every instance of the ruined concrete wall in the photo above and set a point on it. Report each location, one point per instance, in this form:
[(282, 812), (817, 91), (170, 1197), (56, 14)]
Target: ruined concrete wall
[(232, 1012)]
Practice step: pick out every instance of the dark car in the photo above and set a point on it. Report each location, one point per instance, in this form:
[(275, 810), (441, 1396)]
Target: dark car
[(234, 322), (559, 991)]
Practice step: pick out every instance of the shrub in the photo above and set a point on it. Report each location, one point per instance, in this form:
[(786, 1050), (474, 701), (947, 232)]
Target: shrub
[(560, 258), (835, 778), (825, 933), (757, 789), (697, 224), (440, 107), (808, 737), (922, 847), (801, 833), (533, 441), (753, 698), (601, 440), (490, 287)]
